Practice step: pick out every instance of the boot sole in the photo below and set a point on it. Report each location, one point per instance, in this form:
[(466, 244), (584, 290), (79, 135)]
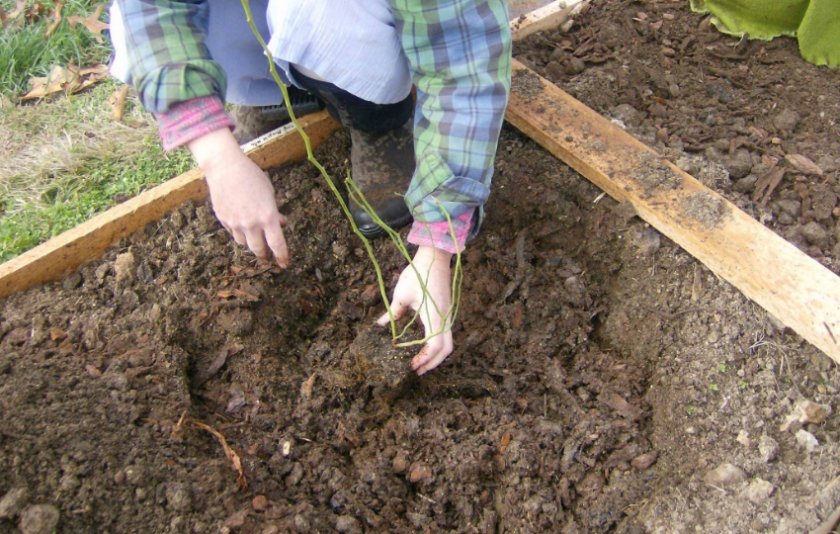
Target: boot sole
[(379, 232)]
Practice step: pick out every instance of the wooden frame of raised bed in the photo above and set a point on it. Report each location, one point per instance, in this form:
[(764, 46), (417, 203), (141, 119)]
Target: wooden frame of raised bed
[(790, 285)]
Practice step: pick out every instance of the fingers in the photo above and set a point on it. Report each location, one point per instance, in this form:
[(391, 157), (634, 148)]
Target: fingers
[(277, 243), (256, 242), (432, 300), (439, 346), (264, 241), (239, 237), (433, 353), (399, 310)]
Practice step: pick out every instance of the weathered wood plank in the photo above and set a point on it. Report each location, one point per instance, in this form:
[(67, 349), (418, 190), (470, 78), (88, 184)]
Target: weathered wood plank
[(542, 19), (783, 280)]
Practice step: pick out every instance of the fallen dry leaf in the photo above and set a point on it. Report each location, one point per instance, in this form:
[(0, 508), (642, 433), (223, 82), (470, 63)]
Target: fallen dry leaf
[(100, 70), (59, 79), (3, 21), (766, 184), (91, 22), (117, 103), (68, 80), (247, 294), (617, 403), (27, 13), (20, 6), (56, 16), (23, 13), (505, 442), (419, 472), (57, 334), (803, 164), (307, 386)]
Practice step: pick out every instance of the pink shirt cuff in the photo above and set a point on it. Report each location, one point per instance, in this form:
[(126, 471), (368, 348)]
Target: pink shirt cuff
[(440, 235), (191, 119)]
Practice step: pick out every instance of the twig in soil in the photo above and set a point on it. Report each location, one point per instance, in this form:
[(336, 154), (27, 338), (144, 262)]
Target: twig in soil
[(670, 316), (522, 268), (830, 524), (427, 499), (238, 272), (241, 482), (722, 490), (14, 435)]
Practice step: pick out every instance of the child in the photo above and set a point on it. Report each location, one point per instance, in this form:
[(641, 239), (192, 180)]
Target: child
[(361, 57)]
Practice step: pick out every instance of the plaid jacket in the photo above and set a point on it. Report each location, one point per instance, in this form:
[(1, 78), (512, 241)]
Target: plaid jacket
[(459, 54)]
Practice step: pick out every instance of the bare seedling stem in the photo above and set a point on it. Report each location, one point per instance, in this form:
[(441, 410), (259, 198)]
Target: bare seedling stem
[(356, 195)]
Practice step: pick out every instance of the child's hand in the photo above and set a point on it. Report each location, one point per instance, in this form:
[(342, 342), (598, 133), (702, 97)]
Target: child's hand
[(433, 265), (242, 196)]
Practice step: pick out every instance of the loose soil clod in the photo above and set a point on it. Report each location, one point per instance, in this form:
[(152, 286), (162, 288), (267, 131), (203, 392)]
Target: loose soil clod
[(377, 360)]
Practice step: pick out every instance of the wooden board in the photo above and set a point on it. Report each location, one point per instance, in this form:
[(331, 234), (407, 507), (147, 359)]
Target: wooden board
[(67, 251), (542, 19), (790, 285)]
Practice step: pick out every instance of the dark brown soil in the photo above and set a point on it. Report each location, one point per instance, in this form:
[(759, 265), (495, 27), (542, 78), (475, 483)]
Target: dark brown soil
[(600, 378)]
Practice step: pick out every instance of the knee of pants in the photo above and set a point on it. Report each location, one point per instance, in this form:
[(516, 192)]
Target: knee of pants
[(354, 112)]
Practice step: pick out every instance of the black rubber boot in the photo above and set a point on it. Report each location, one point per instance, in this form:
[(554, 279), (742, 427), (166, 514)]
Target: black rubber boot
[(382, 165), (254, 121), (382, 152)]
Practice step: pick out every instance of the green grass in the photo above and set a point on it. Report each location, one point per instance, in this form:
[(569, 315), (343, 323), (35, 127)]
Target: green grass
[(63, 159), (74, 197), (24, 52)]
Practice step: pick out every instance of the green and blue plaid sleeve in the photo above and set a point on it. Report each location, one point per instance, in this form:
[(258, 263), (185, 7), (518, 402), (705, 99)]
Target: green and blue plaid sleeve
[(459, 52), (169, 60)]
